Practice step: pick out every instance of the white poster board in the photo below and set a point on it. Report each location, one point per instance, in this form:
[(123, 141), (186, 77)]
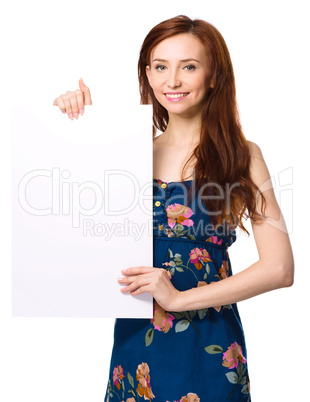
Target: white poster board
[(81, 211)]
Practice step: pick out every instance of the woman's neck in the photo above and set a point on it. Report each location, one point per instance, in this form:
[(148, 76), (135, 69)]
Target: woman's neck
[(182, 131)]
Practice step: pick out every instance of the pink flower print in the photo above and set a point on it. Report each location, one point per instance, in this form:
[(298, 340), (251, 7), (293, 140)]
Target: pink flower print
[(118, 375), (162, 320), (233, 356), (214, 239), (177, 213), (198, 254)]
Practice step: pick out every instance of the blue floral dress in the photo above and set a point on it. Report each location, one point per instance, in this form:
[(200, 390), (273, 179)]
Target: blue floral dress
[(193, 356)]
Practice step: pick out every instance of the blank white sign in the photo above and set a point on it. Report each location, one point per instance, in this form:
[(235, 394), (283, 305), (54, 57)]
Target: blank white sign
[(81, 211)]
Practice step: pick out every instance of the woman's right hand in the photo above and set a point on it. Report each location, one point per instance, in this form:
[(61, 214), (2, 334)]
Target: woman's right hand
[(73, 103)]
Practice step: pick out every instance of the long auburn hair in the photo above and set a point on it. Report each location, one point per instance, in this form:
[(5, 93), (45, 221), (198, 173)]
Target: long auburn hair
[(222, 156)]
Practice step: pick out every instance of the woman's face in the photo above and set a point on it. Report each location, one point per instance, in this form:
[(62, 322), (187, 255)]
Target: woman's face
[(179, 74)]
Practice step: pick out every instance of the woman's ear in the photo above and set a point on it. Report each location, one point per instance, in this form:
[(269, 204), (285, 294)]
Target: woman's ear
[(212, 83), (148, 74)]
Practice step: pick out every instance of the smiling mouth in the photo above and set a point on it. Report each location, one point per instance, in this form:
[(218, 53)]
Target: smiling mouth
[(176, 94)]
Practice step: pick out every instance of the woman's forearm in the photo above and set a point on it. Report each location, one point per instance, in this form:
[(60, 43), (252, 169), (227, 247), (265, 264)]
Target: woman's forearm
[(259, 278)]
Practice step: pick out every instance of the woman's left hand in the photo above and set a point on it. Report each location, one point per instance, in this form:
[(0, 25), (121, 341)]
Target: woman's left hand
[(153, 280)]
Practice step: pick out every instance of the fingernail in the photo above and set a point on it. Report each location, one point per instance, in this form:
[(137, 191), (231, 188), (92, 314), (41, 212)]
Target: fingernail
[(63, 111), (81, 111), (76, 115), (71, 115)]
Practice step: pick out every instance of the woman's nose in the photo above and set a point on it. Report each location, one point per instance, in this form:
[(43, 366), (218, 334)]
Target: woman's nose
[(173, 79)]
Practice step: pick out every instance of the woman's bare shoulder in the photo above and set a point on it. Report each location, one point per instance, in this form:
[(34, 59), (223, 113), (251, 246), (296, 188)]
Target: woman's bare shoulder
[(157, 139), (255, 150)]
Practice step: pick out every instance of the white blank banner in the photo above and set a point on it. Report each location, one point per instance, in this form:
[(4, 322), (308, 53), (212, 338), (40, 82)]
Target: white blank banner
[(81, 211)]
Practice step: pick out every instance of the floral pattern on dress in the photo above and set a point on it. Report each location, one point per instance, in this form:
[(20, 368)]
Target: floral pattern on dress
[(224, 270), (214, 239), (190, 397), (233, 359), (198, 256), (194, 265), (178, 220), (179, 214), (141, 389), (233, 356), (143, 376), (118, 375), (162, 320)]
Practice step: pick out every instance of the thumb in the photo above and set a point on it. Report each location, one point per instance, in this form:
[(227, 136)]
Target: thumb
[(86, 92)]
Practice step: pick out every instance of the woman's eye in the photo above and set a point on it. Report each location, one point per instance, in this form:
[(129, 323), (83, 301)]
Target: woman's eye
[(160, 68), (190, 67)]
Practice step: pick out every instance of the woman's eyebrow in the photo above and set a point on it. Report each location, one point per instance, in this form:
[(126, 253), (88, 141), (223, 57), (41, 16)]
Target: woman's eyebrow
[(183, 61)]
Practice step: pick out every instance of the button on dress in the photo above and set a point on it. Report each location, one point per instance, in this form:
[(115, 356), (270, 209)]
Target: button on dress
[(194, 356)]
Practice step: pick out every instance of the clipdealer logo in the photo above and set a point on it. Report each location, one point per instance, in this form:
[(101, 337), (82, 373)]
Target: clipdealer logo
[(66, 200)]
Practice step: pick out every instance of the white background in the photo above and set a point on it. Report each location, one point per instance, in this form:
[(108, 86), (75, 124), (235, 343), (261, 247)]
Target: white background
[(47, 48)]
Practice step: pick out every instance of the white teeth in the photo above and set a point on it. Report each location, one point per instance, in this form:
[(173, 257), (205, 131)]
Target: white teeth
[(176, 95)]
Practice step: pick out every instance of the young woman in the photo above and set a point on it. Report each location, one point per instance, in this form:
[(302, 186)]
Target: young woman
[(194, 347)]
